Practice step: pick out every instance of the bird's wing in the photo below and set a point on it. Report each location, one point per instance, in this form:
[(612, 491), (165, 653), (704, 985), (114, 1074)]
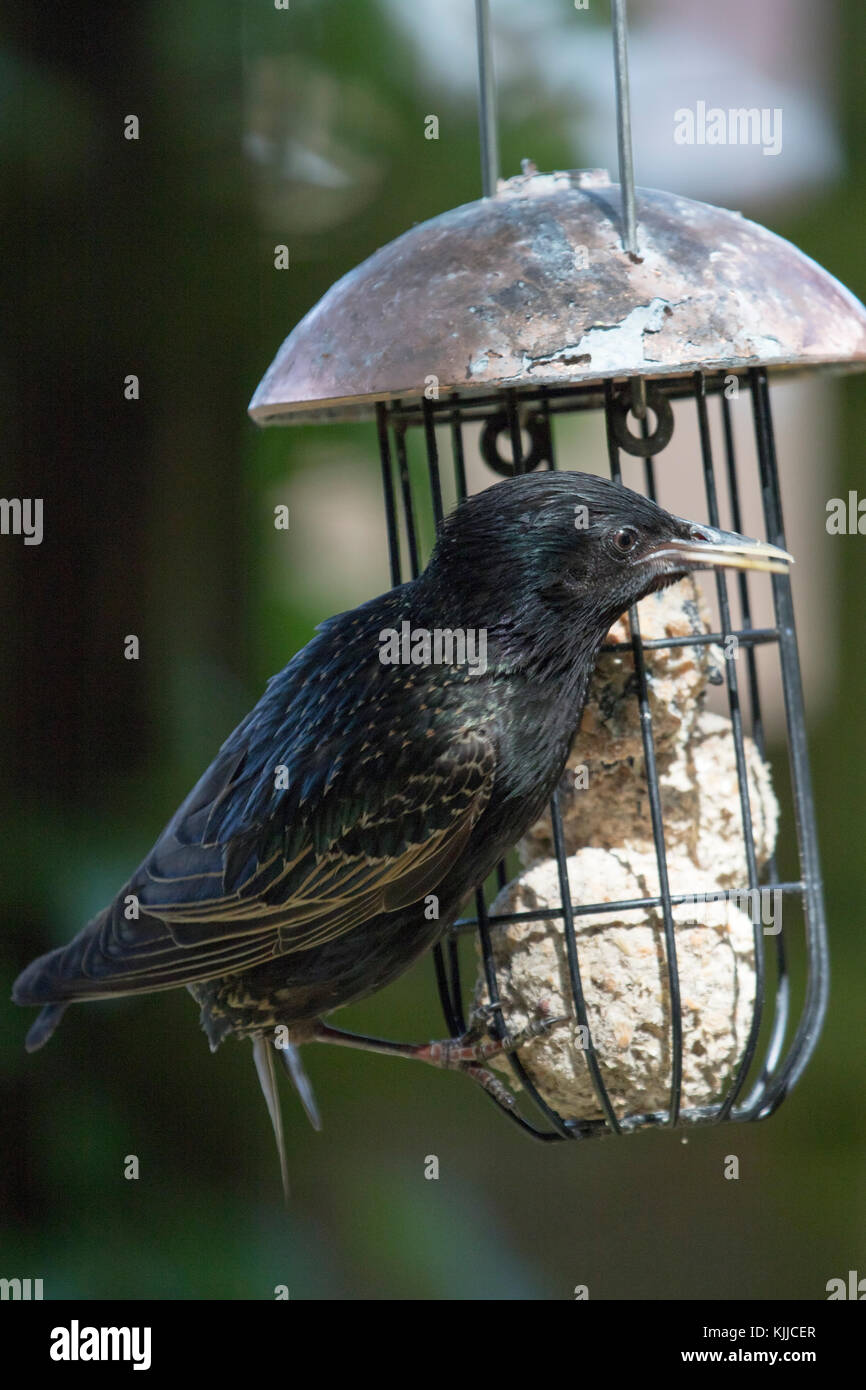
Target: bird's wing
[(211, 906)]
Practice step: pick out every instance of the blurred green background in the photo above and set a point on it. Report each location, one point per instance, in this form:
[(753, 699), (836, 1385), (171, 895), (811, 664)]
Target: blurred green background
[(155, 257)]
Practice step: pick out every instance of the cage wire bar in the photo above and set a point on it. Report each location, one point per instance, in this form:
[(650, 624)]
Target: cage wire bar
[(510, 412)]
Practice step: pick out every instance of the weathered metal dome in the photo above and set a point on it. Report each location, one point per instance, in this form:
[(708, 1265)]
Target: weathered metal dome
[(532, 288)]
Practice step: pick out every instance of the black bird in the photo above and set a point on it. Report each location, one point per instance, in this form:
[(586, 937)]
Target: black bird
[(342, 824)]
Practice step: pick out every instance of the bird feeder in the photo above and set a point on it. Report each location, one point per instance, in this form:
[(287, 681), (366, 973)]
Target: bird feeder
[(563, 293)]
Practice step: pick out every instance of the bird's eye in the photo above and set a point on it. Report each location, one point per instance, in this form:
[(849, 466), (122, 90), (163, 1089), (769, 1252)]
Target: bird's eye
[(625, 539)]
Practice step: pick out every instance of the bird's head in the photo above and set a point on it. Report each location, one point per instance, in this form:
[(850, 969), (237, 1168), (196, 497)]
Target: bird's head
[(546, 562)]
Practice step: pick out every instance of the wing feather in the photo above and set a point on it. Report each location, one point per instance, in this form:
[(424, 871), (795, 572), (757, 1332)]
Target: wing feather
[(199, 921)]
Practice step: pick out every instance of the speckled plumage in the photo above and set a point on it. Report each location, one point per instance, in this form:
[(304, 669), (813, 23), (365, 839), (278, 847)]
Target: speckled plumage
[(295, 876)]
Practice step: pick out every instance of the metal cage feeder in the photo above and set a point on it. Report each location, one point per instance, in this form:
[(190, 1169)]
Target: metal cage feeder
[(522, 308)]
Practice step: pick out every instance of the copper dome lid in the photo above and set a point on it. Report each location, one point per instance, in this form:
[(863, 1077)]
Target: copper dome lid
[(532, 288)]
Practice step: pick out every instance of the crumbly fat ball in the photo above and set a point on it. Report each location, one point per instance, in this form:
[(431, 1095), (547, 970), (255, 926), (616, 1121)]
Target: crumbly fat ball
[(677, 676), (603, 794), (700, 797), (625, 982), (608, 835)]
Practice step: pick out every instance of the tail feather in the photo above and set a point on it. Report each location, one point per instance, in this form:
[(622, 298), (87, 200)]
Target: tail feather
[(264, 1058), (49, 981), (41, 981), (46, 1021), (80, 969)]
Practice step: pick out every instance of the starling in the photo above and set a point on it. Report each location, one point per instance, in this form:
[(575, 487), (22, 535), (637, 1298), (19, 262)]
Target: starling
[(382, 775)]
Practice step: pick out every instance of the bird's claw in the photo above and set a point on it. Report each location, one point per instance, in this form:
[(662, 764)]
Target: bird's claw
[(473, 1049)]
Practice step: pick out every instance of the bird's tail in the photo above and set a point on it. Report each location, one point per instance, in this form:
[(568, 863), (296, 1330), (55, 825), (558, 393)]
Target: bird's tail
[(46, 1021), (42, 983), (55, 980), (93, 965)]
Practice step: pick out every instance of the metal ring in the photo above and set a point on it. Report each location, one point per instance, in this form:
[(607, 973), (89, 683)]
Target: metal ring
[(539, 450), (661, 435)]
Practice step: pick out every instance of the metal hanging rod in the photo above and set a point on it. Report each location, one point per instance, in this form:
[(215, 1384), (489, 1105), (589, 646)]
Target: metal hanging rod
[(623, 124), (486, 100), (619, 23), (487, 112)]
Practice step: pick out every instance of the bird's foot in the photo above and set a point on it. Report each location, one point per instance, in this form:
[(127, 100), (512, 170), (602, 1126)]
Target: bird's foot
[(473, 1047), (469, 1053), (491, 1083)]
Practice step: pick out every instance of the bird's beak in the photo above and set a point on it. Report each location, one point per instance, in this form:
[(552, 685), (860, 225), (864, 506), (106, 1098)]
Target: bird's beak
[(708, 548)]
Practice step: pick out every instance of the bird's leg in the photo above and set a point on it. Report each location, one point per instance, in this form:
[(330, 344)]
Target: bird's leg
[(469, 1053)]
